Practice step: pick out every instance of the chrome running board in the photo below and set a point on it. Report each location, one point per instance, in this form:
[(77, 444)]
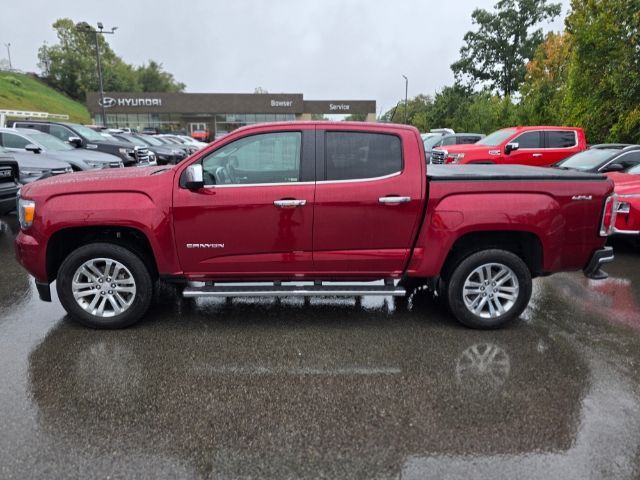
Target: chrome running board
[(278, 290)]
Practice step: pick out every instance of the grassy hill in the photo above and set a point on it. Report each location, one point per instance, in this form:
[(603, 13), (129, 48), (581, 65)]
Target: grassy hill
[(24, 92)]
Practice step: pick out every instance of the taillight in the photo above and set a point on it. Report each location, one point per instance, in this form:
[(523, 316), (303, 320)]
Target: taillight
[(607, 227)]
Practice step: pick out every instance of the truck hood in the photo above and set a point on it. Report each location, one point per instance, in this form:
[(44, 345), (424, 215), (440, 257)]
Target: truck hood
[(625, 183), (90, 181)]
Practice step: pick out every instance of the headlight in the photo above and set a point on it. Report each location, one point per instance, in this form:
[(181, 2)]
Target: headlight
[(126, 151), (455, 157), (33, 172), (94, 164), (26, 212)]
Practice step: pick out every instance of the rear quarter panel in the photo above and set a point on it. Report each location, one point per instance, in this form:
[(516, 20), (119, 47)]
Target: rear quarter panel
[(568, 229)]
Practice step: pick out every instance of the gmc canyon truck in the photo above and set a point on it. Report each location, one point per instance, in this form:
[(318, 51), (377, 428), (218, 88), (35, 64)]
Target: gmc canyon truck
[(307, 209), (534, 146)]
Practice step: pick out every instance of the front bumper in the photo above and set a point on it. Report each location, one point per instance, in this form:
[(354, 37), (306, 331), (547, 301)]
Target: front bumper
[(600, 257)]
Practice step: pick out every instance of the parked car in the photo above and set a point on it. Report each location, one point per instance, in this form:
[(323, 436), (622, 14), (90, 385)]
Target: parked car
[(36, 167), (164, 154), (627, 187), (80, 136), (35, 141), (170, 142), (266, 204), (191, 141), (450, 139), (603, 158), (9, 183), (203, 135), (536, 146)]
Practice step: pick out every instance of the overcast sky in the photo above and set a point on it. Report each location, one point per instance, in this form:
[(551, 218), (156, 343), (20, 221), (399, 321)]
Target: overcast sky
[(324, 49)]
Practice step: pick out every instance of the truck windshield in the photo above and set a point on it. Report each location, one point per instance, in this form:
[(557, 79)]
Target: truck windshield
[(429, 142), (49, 142), (496, 138)]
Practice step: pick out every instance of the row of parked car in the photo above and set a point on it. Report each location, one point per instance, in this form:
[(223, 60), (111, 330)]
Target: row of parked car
[(33, 150), (548, 146)]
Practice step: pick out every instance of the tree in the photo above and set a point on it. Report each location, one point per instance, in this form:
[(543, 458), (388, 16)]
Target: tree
[(153, 78), (70, 66), (496, 53), (544, 89), (603, 80), (356, 117)]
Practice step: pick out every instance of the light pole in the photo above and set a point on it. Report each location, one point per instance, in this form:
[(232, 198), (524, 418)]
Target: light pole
[(406, 93), (85, 27), (8, 45)]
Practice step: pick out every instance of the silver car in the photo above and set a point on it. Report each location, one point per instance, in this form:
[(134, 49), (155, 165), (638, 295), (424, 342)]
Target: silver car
[(34, 167), (36, 142)]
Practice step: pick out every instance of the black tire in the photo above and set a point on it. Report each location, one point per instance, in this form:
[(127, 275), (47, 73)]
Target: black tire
[(139, 272), (462, 271)]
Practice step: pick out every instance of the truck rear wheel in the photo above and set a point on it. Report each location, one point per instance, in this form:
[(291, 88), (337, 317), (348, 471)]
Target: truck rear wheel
[(489, 288), (103, 285)]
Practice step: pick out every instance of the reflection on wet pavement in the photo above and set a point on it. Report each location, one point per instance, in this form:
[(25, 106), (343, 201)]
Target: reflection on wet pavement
[(337, 388)]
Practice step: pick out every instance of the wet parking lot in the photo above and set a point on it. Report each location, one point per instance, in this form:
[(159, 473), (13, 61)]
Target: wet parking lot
[(329, 388)]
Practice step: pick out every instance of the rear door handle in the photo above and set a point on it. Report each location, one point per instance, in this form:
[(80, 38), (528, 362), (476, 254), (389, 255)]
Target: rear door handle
[(537, 155), (289, 203), (393, 200)]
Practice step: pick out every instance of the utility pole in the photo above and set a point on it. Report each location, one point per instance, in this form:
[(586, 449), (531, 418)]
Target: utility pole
[(85, 27), (406, 97), (8, 45)]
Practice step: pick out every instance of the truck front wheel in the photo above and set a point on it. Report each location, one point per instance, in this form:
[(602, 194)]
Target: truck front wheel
[(103, 285), (489, 288)]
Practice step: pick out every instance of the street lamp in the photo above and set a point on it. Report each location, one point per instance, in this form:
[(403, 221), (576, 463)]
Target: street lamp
[(8, 45), (85, 27), (406, 92)]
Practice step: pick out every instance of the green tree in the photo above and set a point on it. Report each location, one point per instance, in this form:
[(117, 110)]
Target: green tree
[(153, 78), (544, 89), (497, 52), (603, 81), (70, 66), (72, 63)]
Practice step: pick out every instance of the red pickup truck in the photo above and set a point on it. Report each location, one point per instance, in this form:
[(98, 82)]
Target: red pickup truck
[(535, 146), (333, 209)]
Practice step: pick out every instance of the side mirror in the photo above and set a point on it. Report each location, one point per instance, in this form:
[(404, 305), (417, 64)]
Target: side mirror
[(510, 147), (613, 167), (32, 148), (193, 177), (75, 141)]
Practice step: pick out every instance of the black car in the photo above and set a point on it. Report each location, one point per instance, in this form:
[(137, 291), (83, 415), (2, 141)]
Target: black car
[(610, 157), (164, 154), (449, 139), (9, 185), (84, 137)]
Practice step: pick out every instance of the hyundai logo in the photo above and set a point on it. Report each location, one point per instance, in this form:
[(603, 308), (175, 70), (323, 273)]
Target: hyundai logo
[(107, 102)]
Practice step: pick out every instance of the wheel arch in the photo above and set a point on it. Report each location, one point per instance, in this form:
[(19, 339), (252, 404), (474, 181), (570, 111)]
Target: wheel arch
[(66, 240), (524, 244)]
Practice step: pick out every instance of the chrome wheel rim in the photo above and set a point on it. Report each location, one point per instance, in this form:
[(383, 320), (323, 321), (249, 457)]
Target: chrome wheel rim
[(491, 290), (103, 287)]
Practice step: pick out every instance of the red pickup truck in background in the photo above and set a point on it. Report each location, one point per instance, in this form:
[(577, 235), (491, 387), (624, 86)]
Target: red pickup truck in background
[(312, 209), (535, 146)]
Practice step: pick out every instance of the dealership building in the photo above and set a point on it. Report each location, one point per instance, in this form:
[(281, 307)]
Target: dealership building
[(217, 113)]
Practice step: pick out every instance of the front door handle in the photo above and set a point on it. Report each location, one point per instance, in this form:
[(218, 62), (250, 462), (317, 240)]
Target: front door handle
[(536, 155), (393, 200), (289, 203)]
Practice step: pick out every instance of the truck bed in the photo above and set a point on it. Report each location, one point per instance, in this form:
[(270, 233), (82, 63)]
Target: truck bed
[(505, 172)]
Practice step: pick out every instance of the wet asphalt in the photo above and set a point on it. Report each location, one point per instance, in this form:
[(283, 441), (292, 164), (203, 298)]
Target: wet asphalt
[(331, 388)]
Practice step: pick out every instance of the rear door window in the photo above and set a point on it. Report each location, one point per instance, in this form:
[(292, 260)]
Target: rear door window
[(561, 139), (528, 140), (360, 155)]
